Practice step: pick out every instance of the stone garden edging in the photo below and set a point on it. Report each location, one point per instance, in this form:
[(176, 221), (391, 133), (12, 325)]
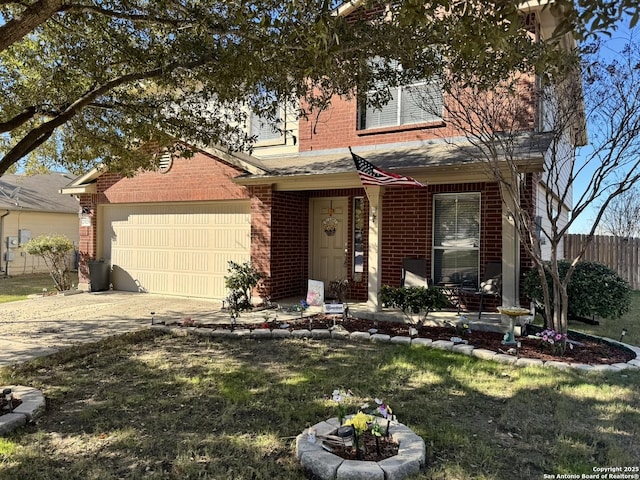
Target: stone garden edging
[(325, 465), (424, 342), (32, 406)]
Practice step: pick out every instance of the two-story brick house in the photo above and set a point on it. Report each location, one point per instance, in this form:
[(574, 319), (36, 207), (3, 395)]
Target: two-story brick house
[(174, 230)]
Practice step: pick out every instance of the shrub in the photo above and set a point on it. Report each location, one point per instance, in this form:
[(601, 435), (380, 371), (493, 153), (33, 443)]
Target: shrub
[(413, 300), (242, 278), (594, 290), (54, 250)]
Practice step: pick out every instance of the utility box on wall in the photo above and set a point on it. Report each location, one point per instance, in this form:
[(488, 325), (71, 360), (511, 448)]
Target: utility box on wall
[(24, 236)]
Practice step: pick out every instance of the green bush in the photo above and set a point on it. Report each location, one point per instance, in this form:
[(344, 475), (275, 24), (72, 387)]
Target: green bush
[(242, 278), (594, 290), (54, 250), (413, 300)]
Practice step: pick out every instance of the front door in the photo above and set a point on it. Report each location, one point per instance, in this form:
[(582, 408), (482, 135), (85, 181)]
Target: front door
[(329, 250)]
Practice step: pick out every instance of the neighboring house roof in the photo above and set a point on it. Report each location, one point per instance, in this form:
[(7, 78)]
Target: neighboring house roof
[(417, 159), (37, 193)]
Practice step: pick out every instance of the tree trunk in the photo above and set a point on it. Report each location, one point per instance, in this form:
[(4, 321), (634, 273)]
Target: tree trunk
[(34, 15)]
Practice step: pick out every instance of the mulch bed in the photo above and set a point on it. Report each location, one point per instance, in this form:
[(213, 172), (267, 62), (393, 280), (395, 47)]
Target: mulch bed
[(386, 446), (588, 350)]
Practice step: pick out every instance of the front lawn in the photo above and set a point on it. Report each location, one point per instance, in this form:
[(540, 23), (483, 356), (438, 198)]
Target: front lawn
[(19, 287), (612, 328), (152, 407)]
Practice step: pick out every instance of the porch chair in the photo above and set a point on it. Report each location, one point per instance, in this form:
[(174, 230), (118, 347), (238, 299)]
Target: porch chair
[(491, 285)]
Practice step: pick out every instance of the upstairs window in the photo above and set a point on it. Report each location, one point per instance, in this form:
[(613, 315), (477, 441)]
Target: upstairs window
[(419, 102), (265, 130)]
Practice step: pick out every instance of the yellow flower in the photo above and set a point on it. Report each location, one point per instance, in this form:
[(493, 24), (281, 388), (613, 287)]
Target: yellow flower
[(359, 421)]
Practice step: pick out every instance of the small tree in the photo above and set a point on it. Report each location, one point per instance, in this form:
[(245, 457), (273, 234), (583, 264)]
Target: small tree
[(242, 278), (54, 250), (508, 125)]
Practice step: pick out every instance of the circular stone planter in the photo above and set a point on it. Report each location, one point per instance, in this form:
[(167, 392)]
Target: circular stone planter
[(325, 465), (32, 406)]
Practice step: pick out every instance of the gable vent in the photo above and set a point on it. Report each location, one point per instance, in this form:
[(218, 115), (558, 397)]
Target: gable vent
[(164, 162)]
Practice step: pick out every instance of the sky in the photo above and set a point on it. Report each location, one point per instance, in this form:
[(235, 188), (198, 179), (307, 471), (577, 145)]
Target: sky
[(610, 48)]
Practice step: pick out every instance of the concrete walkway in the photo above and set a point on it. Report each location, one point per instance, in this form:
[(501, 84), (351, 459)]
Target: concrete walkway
[(42, 325)]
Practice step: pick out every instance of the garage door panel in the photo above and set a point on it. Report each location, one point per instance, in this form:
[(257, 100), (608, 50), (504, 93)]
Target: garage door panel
[(176, 249)]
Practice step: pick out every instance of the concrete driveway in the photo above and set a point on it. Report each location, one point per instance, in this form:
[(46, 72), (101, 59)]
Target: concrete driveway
[(42, 325)]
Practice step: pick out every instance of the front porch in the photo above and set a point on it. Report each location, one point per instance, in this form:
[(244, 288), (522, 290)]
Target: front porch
[(488, 321)]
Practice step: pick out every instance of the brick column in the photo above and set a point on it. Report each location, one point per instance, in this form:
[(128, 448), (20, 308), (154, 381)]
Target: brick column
[(88, 243), (261, 213)]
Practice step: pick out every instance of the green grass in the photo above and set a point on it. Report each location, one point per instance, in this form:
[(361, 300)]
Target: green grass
[(21, 286), (612, 328), (163, 407)]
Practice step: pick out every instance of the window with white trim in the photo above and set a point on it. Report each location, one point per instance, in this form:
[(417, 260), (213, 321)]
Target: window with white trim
[(456, 239), (420, 102)]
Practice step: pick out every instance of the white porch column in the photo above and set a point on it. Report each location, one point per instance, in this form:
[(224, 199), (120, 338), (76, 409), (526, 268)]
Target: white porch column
[(374, 193), (510, 255)]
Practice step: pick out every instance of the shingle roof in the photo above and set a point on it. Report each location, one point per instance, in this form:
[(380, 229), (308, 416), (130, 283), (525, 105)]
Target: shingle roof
[(38, 193), (426, 154)]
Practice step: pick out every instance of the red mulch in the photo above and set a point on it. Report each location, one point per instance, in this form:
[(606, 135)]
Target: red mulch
[(589, 350)]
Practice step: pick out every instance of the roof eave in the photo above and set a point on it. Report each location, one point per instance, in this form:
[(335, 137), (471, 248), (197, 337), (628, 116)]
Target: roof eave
[(88, 188), (432, 175)]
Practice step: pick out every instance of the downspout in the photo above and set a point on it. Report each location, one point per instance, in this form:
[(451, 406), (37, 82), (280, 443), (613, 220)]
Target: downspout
[(7, 212)]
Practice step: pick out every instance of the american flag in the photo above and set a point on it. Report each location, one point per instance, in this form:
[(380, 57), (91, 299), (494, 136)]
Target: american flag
[(372, 175)]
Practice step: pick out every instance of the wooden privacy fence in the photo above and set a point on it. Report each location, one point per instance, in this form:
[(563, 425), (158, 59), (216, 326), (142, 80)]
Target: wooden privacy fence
[(619, 254)]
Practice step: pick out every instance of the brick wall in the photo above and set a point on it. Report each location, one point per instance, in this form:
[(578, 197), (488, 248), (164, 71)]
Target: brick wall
[(528, 193), (199, 178), (336, 127), (261, 205), (406, 212), (409, 214), (290, 244)]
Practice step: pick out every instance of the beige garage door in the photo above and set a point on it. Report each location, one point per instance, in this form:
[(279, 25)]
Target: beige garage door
[(175, 249)]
